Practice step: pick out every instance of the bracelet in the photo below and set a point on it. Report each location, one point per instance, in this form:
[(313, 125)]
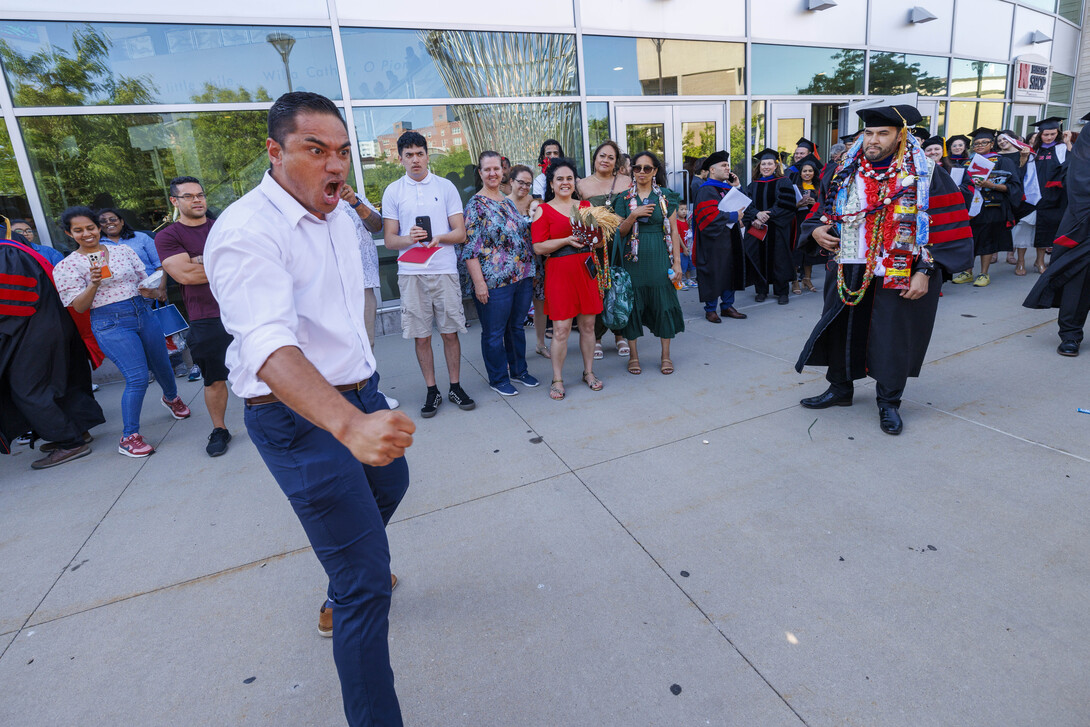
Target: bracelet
[(358, 203)]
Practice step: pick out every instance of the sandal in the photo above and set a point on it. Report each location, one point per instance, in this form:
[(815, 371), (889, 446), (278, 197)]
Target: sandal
[(795, 288), (595, 384), (543, 351), (1019, 269), (809, 285), (1040, 267), (634, 367), (666, 367), (556, 393), (622, 348), (1011, 259), (599, 353)]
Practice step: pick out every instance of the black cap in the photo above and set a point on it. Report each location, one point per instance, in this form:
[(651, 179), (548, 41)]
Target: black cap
[(766, 153), (921, 133), (1052, 122), (932, 141), (719, 156), (811, 160), (896, 116), (983, 133), (851, 137), (1085, 118), (804, 142)]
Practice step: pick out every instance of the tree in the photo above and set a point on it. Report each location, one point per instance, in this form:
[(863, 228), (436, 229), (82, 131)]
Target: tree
[(892, 74), (847, 80)]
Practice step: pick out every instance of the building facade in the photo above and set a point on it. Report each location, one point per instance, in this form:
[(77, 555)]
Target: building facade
[(103, 108)]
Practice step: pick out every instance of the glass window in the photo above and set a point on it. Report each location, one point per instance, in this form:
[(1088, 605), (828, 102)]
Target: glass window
[(1072, 10), (385, 63), (897, 73), (1046, 5), (784, 70), (13, 201), (80, 64), (757, 134), (962, 117), (978, 79), (1061, 88), (1064, 112), (738, 138), (656, 67), (597, 122)]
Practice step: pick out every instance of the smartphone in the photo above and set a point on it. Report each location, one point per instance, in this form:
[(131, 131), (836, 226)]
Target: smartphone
[(592, 266), (424, 222), (95, 259)]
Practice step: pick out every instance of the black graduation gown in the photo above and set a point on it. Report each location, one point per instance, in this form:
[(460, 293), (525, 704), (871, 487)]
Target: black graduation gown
[(721, 261), (992, 225), (886, 336), (774, 259), (45, 378), (1052, 176)]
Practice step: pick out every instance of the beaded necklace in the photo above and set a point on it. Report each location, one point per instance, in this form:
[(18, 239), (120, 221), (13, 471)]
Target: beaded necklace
[(634, 239)]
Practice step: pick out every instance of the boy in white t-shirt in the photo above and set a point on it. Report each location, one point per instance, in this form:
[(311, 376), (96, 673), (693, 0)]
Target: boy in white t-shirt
[(427, 266)]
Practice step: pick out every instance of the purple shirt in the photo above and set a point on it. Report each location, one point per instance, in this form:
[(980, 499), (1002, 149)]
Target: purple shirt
[(178, 239)]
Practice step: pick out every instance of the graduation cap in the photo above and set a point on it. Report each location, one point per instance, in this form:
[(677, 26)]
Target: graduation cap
[(896, 116), (921, 133), (1085, 118), (1052, 122), (983, 133), (850, 137), (811, 160), (719, 156), (933, 141), (766, 153), (805, 143)]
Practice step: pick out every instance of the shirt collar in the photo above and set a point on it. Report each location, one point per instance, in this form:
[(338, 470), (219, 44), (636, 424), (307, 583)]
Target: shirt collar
[(426, 180), (289, 206)]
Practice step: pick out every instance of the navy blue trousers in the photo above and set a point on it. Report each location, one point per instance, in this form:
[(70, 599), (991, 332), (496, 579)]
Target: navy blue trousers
[(344, 507)]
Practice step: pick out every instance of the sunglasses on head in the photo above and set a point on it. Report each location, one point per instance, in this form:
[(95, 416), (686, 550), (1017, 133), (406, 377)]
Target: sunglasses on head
[(643, 168)]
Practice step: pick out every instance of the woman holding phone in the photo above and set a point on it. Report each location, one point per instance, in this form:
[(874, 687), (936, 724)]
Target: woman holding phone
[(105, 281)]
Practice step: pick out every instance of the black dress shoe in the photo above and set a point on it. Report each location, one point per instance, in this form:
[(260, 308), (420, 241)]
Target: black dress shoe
[(732, 312), (712, 317), (828, 399), (1068, 348), (782, 299), (761, 297), (890, 420)]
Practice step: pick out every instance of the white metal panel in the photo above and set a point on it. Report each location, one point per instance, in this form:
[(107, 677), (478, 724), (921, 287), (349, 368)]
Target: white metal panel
[(780, 20), (693, 18), (982, 29), (1026, 22), (890, 29), (543, 14), (1065, 50), (198, 11)]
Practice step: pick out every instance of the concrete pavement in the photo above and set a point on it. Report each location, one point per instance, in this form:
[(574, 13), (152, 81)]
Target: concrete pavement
[(674, 550)]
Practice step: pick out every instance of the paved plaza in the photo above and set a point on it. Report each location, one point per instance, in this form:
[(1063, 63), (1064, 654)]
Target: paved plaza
[(693, 549)]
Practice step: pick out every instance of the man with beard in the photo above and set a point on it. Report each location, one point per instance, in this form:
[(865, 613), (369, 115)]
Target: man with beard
[(893, 219), (717, 241)]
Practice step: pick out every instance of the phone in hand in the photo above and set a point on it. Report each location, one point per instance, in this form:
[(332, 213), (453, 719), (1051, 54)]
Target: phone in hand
[(424, 222)]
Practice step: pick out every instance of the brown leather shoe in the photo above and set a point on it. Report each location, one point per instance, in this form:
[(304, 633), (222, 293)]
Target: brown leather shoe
[(60, 456), (50, 446), (733, 312), (325, 615), (712, 317)]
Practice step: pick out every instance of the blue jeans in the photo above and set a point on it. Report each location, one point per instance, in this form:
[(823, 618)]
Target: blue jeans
[(503, 339), (344, 507), (129, 335), (726, 300)]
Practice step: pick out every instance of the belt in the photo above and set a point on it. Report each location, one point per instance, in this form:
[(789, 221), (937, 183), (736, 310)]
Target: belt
[(273, 399)]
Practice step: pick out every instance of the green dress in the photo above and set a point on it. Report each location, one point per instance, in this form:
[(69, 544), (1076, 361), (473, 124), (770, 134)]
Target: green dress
[(655, 304)]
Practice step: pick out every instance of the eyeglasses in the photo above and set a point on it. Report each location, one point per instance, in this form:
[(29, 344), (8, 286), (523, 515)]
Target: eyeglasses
[(190, 197), (643, 168), (521, 183), (983, 142), (108, 220)]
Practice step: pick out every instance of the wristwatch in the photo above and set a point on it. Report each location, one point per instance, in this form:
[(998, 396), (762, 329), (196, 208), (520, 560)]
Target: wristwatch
[(928, 271)]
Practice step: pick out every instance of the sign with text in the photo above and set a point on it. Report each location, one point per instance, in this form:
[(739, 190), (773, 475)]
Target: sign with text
[(1032, 77)]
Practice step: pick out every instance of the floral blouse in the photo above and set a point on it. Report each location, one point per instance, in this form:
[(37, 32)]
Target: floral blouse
[(73, 274), (499, 238)]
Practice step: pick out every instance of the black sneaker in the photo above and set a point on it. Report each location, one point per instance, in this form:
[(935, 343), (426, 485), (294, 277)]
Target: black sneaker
[(461, 398), (431, 403), (217, 442)]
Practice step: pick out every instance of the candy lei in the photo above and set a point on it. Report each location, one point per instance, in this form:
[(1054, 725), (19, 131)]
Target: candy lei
[(634, 240)]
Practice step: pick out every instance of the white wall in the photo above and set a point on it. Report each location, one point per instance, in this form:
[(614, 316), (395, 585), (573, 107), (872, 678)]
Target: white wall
[(1065, 50), (445, 13), (195, 11), (1025, 22), (890, 29), (696, 18), (780, 20), (982, 29)]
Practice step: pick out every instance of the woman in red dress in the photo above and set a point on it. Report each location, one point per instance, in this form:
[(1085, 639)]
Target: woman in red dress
[(571, 292)]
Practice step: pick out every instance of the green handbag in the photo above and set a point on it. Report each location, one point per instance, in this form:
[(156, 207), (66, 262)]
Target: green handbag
[(617, 305)]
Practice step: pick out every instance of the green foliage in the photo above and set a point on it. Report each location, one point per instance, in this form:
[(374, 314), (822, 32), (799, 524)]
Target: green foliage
[(889, 74), (847, 80), (692, 148)]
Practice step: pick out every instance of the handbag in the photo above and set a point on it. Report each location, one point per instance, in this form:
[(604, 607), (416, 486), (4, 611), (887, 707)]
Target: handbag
[(170, 319), (617, 304)]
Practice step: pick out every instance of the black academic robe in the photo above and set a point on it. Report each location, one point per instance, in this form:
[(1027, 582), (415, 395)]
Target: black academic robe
[(1071, 248), (992, 224), (721, 261), (45, 376), (1052, 176), (886, 336), (774, 258)]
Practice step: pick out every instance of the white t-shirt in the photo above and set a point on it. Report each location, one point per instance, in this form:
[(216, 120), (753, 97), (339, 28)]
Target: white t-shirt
[(538, 189), (434, 197)]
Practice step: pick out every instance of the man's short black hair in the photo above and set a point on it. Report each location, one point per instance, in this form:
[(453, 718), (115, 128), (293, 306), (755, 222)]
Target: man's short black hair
[(411, 138), (174, 183), (548, 143), (287, 107), (25, 222)]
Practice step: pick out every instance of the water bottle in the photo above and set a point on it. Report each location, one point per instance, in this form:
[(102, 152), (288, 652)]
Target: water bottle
[(675, 279)]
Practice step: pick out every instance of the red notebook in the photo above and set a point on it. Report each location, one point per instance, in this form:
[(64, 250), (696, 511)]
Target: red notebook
[(758, 232), (417, 254)]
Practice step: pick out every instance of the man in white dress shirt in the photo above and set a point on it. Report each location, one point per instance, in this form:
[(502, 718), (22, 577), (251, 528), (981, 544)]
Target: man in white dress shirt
[(284, 266)]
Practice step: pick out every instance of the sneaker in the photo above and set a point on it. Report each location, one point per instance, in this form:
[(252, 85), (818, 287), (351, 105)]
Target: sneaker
[(181, 370), (461, 398), (60, 456), (391, 401), (503, 389), (526, 380), (177, 407), (134, 446), (325, 614), (217, 442), (431, 404), (981, 280), (94, 388), (963, 277), (22, 440), (194, 374)]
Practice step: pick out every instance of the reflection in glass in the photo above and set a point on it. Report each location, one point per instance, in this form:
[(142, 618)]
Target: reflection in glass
[(617, 66), (797, 70), (697, 139), (1061, 89), (1064, 112), (1046, 5), (1072, 10), (81, 64), (756, 132), (965, 116), (646, 137), (13, 201), (386, 63), (738, 138), (897, 73), (977, 79), (597, 123)]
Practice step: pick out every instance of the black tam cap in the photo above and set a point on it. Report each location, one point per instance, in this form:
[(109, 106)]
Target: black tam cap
[(896, 116), (719, 156), (766, 153), (933, 141), (810, 160), (804, 142), (1052, 122), (851, 137), (921, 133), (1085, 118), (983, 133)]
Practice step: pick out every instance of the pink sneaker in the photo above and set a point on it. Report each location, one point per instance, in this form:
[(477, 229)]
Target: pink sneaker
[(178, 409), (134, 446)]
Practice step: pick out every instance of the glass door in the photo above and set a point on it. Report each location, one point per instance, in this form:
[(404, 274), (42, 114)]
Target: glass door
[(788, 121), (1023, 117)]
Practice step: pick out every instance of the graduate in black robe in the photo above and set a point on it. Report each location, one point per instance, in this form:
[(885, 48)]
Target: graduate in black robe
[(1051, 176), (886, 334), (804, 256), (769, 225), (721, 263), (1066, 282), (45, 377), (803, 148)]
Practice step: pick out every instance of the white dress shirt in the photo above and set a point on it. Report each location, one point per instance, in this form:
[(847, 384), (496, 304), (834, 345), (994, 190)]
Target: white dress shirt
[(283, 277)]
